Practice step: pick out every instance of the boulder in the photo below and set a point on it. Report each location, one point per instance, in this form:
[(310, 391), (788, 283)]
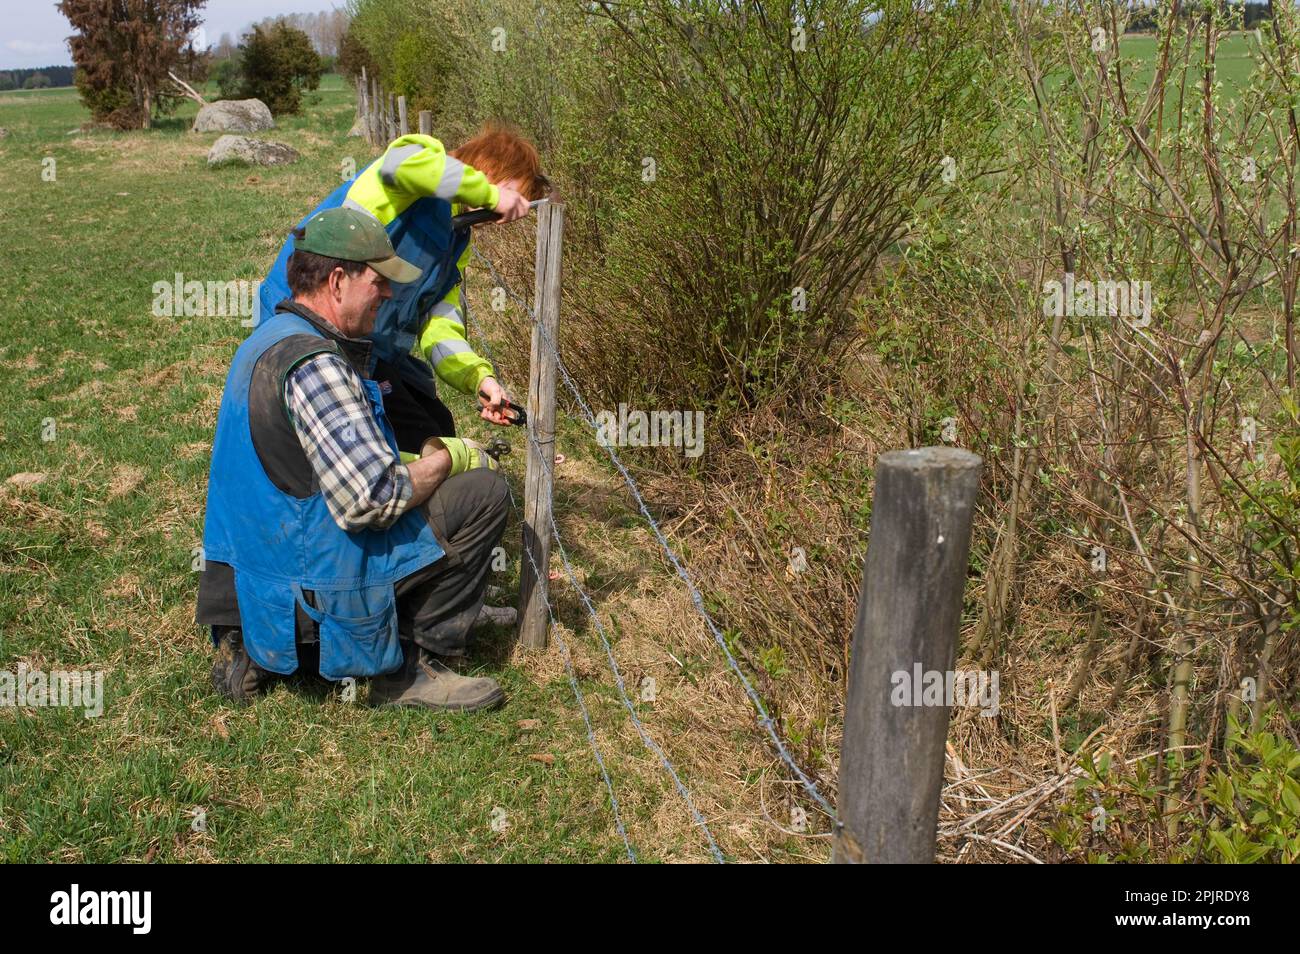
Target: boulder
[(254, 152), (233, 115)]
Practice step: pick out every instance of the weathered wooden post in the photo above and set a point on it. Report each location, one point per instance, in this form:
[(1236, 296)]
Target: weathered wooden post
[(392, 118), (363, 116), (426, 122), (375, 107), (533, 586), (402, 127), (891, 768)]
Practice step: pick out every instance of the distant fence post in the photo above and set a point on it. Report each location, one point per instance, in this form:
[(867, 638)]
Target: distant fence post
[(402, 127), (375, 107), (363, 114), (891, 767), (534, 585), (426, 122), (392, 118)]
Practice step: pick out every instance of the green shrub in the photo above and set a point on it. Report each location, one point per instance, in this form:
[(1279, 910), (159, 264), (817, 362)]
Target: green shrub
[(1257, 800), (108, 103), (728, 194), (228, 77), (421, 65), (1251, 806), (279, 62)]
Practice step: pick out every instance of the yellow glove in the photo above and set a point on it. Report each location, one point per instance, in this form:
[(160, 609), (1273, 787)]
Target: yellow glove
[(465, 453)]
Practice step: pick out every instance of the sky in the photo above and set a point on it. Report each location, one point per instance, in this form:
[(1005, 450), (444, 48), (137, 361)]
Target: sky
[(34, 33)]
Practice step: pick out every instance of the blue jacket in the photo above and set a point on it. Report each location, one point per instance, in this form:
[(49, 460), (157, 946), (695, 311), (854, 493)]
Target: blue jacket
[(421, 234), (281, 544)]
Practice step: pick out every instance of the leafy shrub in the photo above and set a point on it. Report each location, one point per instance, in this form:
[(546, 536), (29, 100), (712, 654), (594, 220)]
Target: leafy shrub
[(228, 76), (279, 62), (1252, 806)]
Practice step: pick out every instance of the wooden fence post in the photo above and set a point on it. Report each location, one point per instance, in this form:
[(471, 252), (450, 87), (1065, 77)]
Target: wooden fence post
[(402, 127), (363, 115), (426, 122), (392, 118), (891, 767), (375, 101), (533, 586)]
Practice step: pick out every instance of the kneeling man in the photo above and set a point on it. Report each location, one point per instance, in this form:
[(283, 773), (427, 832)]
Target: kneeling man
[(318, 540)]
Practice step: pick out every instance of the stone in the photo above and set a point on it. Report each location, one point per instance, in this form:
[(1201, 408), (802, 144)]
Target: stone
[(253, 152), (233, 115)]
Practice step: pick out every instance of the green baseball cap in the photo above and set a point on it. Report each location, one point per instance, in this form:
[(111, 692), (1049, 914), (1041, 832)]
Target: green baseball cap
[(355, 236)]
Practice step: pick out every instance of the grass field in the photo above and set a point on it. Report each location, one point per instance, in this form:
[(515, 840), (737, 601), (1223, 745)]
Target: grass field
[(96, 548), (1235, 59)]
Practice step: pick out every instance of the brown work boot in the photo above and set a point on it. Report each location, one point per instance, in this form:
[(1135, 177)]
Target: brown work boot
[(234, 674), (424, 682)]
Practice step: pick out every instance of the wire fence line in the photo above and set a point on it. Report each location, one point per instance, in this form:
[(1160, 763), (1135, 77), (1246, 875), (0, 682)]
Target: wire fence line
[(764, 719), (646, 740), (564, 648), (577, 694), (622, 690)]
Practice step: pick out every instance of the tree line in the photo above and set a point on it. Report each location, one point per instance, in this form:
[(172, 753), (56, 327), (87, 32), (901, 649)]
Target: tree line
[(39, 77)]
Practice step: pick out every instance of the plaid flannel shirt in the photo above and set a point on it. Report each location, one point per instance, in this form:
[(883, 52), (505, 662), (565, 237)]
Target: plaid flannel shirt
[(365, 484)]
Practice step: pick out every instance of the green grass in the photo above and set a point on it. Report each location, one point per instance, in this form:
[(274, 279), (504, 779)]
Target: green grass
[(95, 561), (1235, 59)]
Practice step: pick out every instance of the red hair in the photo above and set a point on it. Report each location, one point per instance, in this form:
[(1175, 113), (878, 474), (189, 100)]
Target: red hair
[(500, 153)]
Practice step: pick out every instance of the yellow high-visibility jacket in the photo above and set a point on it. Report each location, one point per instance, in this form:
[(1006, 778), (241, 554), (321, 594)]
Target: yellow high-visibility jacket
[(411, 168)]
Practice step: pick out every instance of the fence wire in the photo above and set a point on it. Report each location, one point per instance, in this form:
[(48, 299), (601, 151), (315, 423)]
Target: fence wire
[(618, 677), (764, 720)]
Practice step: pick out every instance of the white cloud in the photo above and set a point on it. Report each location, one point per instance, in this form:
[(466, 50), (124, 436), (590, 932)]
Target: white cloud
[(28, 47)]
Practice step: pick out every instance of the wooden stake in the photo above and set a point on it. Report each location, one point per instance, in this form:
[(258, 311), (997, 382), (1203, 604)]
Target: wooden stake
[(891, 768), (534, 586)]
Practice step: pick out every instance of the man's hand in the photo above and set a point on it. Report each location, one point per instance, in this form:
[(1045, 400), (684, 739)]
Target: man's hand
[(510, 205), (494, 408)]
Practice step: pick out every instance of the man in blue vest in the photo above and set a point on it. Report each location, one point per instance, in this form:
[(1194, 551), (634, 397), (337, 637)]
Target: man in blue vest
[(323, 550)]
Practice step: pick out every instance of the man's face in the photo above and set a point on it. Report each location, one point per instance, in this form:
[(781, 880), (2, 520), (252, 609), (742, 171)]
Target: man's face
[(359, 301)]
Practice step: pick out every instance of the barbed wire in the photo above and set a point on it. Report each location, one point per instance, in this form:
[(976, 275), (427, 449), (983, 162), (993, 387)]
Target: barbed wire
[(546, 458), (764, 720), (564, 647)]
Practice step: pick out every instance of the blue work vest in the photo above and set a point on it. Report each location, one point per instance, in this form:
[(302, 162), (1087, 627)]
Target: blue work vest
[(281, 545), (422, 235)]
